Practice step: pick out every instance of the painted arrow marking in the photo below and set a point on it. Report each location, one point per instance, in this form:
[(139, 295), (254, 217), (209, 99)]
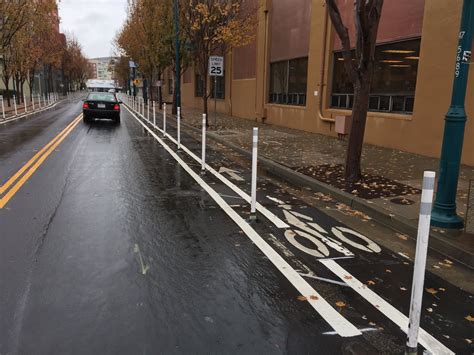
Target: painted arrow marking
[(231, 173), (144, 268)]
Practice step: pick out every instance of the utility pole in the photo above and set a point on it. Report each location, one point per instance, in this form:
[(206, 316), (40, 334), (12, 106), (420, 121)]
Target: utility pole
[(177, 84), (444, 211)]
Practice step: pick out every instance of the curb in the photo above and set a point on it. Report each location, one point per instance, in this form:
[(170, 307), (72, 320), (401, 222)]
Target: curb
[(439, 243)]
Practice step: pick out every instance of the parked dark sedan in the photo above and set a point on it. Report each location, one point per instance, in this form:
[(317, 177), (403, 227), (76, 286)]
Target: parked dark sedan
[(101, 105)]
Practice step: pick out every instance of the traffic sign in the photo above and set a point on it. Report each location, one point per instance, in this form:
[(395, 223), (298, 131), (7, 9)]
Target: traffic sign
[(216, 66)]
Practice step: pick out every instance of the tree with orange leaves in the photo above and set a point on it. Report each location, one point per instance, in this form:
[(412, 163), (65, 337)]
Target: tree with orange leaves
[(216, 27)]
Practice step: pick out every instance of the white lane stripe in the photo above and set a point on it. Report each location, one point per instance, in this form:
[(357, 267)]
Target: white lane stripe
[(269, 215), (425, 339), (340, 324)]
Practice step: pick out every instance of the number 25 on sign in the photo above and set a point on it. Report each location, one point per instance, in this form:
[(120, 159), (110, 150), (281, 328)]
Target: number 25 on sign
[(216, 66)]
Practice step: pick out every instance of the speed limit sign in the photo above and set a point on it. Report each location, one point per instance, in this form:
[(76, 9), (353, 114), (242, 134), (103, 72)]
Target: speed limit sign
[(216, 66)]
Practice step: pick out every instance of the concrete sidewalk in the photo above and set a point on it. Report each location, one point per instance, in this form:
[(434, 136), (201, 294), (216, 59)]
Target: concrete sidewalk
[(389, 191)]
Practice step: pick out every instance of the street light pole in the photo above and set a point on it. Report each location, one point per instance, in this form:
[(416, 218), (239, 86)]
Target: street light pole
[(444, 211), (178, 59)]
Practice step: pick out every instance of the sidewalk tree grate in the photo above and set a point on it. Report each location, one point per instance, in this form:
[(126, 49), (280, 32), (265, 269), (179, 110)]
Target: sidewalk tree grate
[(370, 187)]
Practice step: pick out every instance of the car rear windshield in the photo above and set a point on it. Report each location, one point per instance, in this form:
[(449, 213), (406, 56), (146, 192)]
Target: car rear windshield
[(101, 96)]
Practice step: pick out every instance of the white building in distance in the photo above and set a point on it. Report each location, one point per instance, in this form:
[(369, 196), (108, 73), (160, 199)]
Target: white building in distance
[(103, 68)]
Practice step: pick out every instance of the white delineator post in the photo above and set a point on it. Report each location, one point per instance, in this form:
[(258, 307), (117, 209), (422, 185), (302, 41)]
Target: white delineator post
[(203, 148), (3, 108), (14, 104), (44, 100), (253, 201), (148, 110), (420, 261), (164, 120), (25, 104), (33, 102), (154, 115), (178, 123)]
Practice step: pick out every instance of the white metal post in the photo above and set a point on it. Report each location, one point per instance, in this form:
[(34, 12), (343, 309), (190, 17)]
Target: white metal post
[(420, 261), (3, 109), (179, 127), (39, 100), (148, 110), (24, 103), (33, 102), (154, 115), (164, 120), (44, 100), (14, 104), (203, 149), (254, 173)]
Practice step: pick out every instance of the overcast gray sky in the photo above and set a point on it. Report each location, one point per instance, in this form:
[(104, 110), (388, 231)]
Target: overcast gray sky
[(93, 22)]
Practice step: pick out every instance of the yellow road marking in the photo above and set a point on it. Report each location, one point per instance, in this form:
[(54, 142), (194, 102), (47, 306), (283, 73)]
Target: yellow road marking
[(4, 200), (36, 156)]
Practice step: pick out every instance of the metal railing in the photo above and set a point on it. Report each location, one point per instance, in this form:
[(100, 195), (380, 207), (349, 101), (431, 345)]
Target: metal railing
[(399, 103), (298, 99)]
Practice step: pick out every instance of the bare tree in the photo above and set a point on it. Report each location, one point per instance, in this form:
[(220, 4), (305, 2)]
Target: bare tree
[(359, 67)]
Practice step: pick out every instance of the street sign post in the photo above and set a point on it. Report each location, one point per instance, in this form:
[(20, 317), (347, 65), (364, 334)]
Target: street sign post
[(216, 68), (444, 211)]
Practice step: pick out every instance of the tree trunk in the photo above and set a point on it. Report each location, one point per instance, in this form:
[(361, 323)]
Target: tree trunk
[(356, 137), (6, 81), (160, 93), (174, 109), (16, 83), (22, 84)]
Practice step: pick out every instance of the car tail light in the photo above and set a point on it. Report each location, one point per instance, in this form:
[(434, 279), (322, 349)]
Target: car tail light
[(85, 105), (117, 107)]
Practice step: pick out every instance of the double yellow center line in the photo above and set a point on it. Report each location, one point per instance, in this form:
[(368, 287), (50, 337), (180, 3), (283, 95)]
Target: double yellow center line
[(11, 187)]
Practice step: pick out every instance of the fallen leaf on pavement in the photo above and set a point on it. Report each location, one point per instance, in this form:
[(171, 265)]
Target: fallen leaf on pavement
[(301, 298), (340, 304), (313, 297), (370, 282), (469, 318), (388, 270), (347, 277), (402, 236), (432, 291)]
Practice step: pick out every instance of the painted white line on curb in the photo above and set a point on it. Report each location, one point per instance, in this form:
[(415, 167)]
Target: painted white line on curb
[(425, 339), (340, 324)]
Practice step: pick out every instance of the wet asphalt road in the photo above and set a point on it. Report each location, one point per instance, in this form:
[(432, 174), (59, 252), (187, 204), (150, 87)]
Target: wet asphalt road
[(110, 247)]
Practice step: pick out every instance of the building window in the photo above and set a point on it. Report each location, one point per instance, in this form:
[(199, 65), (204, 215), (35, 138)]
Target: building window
[(220, 92), (394, 80), (198, 86), (170, 86), (288, 81)]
